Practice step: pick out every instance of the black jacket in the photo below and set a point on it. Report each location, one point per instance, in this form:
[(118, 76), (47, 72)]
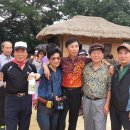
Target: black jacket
[(120, 89), (16, 79)]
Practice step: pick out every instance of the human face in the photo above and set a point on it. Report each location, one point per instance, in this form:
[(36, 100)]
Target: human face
[(55, 60), (40, 55), (73, 49), (124, 56), (96, 56), (7, 49), (20, 54)]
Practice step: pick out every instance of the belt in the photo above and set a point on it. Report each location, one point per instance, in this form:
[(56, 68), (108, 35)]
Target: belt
[(17, 94), (93, 98), (42, 100), (71, 88)]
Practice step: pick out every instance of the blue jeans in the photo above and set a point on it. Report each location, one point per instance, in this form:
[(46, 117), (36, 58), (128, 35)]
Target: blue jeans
[(47, 118), (18, 112)]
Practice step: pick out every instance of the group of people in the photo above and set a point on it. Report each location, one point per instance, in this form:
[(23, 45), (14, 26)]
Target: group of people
[(73, 78)]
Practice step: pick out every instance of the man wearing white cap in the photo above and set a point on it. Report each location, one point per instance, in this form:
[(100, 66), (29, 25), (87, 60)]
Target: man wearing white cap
[(18, 103)]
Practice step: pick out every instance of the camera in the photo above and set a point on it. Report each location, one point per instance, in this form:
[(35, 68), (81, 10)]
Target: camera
[(58, 103)]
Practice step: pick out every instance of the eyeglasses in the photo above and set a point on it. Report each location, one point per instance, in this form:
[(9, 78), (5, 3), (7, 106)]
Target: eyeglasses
[(55, 58)]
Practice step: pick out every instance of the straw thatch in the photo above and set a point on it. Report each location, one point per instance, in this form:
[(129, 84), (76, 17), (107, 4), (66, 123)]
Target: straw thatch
[(92, 27)]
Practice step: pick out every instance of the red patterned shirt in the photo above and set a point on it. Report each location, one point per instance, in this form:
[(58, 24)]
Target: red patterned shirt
[(72, 71)]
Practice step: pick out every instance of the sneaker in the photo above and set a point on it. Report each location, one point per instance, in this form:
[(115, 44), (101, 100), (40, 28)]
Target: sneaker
[(2, 127)]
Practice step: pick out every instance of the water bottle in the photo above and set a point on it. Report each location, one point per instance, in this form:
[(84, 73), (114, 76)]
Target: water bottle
[(31, 85)]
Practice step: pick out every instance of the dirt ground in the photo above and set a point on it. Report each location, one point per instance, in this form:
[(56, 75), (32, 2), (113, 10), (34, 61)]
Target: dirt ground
[(34, 125)]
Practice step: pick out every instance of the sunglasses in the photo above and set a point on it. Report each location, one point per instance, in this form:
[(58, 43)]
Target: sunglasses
[(41, 53), (55, 58)]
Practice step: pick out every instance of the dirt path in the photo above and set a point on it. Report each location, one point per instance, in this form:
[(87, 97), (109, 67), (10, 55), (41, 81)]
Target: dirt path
[(34, 125)]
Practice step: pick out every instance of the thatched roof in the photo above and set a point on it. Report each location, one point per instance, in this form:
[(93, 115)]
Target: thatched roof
[(92, 27)]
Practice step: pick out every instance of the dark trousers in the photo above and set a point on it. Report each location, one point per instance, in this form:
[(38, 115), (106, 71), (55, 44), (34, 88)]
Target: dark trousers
[(2, 102), (18, 112), (72, 104), (119, 119), (47, 118)]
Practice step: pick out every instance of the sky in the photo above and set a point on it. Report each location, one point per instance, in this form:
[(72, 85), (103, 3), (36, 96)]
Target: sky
[(1, 19)]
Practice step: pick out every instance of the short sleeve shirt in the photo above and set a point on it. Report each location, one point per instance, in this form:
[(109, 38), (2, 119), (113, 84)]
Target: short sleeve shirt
[(96, 83)]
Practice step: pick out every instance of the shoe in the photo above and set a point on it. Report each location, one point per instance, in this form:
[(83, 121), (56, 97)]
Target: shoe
[(2, 127)]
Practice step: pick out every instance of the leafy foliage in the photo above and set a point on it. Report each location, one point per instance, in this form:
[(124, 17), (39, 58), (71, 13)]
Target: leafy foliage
[(23, 19), (117, 11)]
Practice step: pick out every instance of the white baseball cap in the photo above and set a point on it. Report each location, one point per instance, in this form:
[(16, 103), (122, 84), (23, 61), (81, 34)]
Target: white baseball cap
[(20, 44)]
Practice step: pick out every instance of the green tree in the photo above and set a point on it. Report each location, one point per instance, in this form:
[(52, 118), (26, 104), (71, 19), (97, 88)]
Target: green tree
[(23, 19), (117, 11)]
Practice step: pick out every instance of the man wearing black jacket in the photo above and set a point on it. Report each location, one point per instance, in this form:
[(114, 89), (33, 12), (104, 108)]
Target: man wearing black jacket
[(18, 103), (120, 98)]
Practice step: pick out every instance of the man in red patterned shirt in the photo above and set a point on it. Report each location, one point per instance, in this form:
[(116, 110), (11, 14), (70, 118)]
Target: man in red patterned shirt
[(72, 68)]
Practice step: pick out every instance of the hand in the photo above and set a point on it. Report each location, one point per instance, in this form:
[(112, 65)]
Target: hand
[(111, 70), (1, 76), (31, 76), (129, 116), (35, 102), (46, 72), (106, 109)]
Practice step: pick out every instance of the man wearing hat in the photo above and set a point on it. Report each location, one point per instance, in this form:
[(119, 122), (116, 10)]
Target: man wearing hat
[(96, 90), (120, 98), (18, 103)]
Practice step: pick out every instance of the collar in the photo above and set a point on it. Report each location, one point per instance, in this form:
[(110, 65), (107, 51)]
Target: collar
[(101, 66), (20, 64), (74, 59), (4, 56), (52, 70), (128, 65)]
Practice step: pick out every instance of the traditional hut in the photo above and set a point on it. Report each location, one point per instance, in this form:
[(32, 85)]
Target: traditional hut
[(88, 30)]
